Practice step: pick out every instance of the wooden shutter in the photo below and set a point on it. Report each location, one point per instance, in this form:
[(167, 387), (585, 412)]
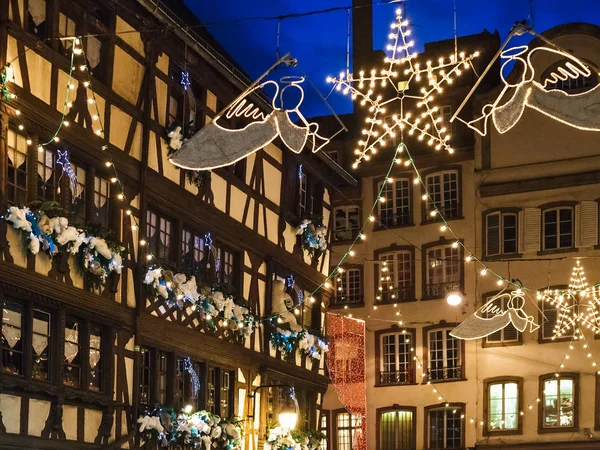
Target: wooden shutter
[(529, 230), (586, 226), (492, 234), (497, 336)]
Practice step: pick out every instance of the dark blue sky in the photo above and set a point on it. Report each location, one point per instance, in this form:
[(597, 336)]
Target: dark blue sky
[(319, 41)]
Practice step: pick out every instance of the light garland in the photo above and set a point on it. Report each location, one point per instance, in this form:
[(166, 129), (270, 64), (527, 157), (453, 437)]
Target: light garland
[(426, 124)]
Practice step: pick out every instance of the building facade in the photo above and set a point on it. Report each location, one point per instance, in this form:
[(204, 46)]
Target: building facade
[(525, 203), (84, 357)]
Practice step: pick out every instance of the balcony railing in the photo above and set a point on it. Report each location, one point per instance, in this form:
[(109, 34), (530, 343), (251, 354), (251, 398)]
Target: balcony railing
[(440, 290), (450, 210), (390, 220), (345, 235), (398, 295), (397, 377), (341, 300), (445, 374)]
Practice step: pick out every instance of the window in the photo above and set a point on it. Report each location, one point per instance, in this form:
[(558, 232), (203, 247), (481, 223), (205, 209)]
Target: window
[(226, 266), (66, 28), (395, 210), (551, 327), (507, 335), (558, 405), (16, 180), (226, 394), (159, 235), (501, 233), (443, 191), (72, 355), (95, 359), (396, 429), (444, 114), (443, 268), (558, 226), (571, 85), (12, 338), (184, 393), (145, 373), (444, 428), (100, 214), (391, 140), (40, 344), (78, 199), (46, 175), (324, 428), (347, 426), (503, 406), (36, 19), (395, 358), (443, 356), (175, 112), (348, 287), (395, 282), (211, 391), (347, 223), (310, 196), (193, 251), (162, 377)]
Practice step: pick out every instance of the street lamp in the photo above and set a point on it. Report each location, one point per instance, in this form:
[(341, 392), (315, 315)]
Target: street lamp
[(288, 414), (454, 298)]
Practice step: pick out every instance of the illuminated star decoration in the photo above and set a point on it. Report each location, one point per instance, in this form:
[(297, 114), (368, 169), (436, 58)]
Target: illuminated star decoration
[(189, 368), (578, 308), (63, 160), (426, 122), (185, 80)]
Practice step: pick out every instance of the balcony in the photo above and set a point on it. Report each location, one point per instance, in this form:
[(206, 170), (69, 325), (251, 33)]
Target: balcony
[(347, 300), (445, 374), (450, 210), (439, 290), (396, 378), (398, 295), (391, 220), (345, 235)]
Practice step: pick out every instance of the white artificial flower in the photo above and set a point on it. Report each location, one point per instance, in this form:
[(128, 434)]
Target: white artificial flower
[(162, 291), (69, 234), (34, 244), (176, 138), (216, 432), (18, 218), (116, 263), (100, 246)]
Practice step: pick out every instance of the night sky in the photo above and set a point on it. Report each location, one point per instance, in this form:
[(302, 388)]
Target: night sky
[(319, 41)]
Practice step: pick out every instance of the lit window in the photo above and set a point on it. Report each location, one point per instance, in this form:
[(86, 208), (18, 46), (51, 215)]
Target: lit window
[(16, 181), (347, 426), (558, 228), (193, 251), (72, 354), (347, 287), (503, 406), (395, 210), (78, 208), (395, 360), (443, 194), (445, 428), (444, 356), (501, 233), (95, 359), (159, 235), (347, 223), (41, 343), (396, 429), (12, 338), (46, 175), (558, 402), (101, 214), (324, 429)]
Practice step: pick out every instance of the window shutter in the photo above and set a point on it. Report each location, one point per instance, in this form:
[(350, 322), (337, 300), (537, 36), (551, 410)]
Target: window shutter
[(492, 233), (529, 230), (497, 336), (586, 228), (510, 333), (551, 314)]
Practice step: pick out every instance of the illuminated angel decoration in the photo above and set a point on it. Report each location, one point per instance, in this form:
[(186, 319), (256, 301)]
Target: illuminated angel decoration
[(216, 145), (576, 110), (490, 317), (426, 123), (578, 308)]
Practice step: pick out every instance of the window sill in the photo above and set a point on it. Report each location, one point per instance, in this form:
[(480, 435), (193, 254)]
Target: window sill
[(550, 341), (438, 221), (500, 344), (445, 381), (502, 433), (556, 251), (558, 430), (503, 257), (385, 228), (394, 385)]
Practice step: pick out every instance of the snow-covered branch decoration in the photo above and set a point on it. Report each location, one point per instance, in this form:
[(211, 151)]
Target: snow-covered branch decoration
[(97, 257), (217, 307), (279, 439), (201, 430), (314, 238), (288, 341), (427, 122)]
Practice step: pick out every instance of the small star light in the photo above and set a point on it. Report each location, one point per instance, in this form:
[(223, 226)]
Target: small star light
[(185, 80), (402, 72), (63, 160), (578, 307)]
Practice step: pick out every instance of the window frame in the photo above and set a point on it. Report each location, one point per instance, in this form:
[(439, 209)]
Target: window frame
[(334, 303), (346, 229), (12, 185), (326, 430), (552, 376), (412, 372), (313, 194), (543, 323), (443, 326), (485, 343), (486, 412), (410, 220), (380, 411), (594, 79), (154, 242), (501, 212), (395, 250), (425, 207), (426, 248), (558, 207), (334, 427), (442, 406)]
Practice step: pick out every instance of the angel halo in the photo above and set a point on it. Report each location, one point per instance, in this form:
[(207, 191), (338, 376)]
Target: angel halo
[(576, 110), (217, 146)]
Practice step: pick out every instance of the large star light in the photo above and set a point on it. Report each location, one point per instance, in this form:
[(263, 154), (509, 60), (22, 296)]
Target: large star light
[(402, 72)]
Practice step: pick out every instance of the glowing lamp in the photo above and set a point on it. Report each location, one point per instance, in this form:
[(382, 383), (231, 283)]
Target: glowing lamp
[(453, 298)]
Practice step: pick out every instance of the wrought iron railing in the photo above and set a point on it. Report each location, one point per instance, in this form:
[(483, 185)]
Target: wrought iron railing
[(341, 300), (445, 373), (449, 210), (345, 235), (398, 295), (394, 220), (439, 290), (397, 377)]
